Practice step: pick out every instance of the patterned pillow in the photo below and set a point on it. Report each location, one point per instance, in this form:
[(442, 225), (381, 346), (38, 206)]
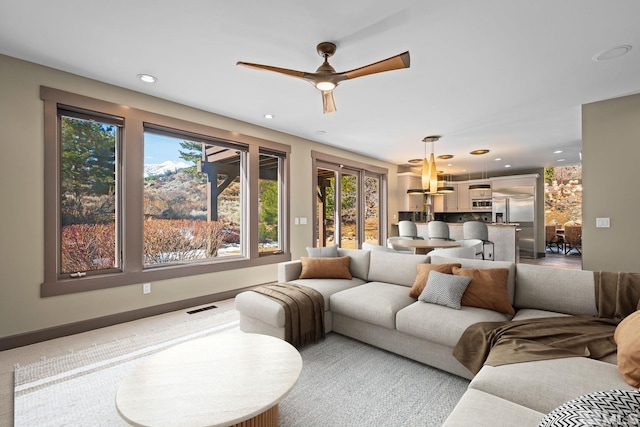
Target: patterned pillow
[(602, 408), (444, 289)]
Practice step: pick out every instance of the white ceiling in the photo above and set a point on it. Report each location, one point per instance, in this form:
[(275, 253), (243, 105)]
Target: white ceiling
[(506, 75)]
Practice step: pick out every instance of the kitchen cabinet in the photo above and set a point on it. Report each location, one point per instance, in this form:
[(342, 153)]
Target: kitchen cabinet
[(409, 202), (447, 202), (464, 197)]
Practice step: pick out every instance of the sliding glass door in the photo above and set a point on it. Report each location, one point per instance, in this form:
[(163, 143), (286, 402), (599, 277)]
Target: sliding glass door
[(347, 210)]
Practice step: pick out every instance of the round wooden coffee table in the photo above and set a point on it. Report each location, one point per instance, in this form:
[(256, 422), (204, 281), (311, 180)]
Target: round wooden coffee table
[(222, 380)]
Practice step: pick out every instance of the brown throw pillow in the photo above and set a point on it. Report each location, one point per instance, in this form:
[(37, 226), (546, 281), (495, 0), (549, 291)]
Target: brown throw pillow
[(627, 337), (325, 268), (423, 276), (488, 289)]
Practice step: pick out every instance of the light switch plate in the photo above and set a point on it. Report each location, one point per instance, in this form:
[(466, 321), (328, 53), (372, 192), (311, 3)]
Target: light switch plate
[(303, 220), (603, 223)]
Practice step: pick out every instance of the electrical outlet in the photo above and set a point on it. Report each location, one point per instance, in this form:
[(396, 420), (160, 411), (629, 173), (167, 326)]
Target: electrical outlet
[(146, 288), (603, 223)]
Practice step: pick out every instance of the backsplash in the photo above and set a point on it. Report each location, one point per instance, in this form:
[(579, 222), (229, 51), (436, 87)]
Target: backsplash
[(463, 216)]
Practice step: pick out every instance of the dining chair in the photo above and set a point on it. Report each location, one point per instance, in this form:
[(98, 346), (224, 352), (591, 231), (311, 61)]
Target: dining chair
[(572, 238), (408, 229), (438, 230), (472, 231), (551, 238)]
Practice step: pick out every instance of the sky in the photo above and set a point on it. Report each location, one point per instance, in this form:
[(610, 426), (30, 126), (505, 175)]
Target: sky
[(159, 148)]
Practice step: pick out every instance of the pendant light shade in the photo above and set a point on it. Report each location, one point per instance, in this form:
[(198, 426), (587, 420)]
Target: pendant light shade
[(429, 168)]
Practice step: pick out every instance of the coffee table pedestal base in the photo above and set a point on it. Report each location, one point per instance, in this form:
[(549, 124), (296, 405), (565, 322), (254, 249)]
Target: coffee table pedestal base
[(268, 418)]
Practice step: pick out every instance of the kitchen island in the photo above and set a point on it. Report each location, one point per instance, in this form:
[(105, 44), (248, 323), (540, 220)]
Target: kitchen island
[(504, 237)]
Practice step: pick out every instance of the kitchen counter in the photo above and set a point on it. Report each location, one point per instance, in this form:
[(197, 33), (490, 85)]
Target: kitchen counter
[(503, 236)]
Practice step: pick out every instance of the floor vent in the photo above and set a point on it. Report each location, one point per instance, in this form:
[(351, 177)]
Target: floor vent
[(198, 310)]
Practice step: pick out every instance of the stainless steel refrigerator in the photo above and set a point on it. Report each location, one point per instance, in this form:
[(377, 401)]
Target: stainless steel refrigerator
[(516, 205)]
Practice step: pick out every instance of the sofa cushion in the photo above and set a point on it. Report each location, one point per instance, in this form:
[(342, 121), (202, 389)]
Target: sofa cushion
[(480, 409), (398, 268), (328, 287), (423, 274), (325, 268), (373, 302), (561, 290), (479, 263), (359, 265), (627, 336), (530, 313), (324, 252), (442, 325), (444, 289), (488, 289), (546, 384)]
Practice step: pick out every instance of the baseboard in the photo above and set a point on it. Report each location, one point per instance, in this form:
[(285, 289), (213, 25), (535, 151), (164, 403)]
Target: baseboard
[(28, 338)]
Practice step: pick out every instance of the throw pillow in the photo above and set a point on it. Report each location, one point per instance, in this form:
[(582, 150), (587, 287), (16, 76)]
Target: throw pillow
[(326, 252), (325, 268), (444, 289), (423, 275), (627, 337), (488, 289)]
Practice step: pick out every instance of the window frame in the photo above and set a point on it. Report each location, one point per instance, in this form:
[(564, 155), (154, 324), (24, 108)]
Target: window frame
[(362, 170), (132, 160)]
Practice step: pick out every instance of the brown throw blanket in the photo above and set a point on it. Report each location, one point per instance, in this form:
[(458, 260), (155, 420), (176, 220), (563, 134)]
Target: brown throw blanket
[(500, 343), (303, 308)]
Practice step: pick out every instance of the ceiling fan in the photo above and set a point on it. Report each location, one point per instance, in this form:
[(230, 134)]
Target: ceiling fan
[(325, 79)]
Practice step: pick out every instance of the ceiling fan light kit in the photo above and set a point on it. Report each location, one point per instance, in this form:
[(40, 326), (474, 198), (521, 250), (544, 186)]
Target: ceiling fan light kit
[(325, 79)]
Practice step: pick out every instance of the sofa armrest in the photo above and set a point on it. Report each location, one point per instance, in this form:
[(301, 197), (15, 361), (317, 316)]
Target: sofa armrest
[(289, 270)]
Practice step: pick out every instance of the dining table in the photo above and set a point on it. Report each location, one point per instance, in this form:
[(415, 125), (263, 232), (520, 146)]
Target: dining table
[(424, 246)]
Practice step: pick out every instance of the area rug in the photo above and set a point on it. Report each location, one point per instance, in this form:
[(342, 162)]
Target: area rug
[(343, 383)]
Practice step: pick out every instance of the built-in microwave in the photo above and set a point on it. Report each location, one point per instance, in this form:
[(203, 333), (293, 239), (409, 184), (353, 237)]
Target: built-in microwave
[(481, 204)]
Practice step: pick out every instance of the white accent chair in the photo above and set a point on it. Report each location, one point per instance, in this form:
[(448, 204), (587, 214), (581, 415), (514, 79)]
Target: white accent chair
[(461, 252), (403, 249)]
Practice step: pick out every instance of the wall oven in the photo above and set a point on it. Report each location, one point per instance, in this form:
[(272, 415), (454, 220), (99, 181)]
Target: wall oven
[(481, 204)]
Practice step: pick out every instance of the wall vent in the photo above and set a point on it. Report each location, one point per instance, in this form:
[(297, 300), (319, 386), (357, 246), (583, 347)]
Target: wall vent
[(198, 310)]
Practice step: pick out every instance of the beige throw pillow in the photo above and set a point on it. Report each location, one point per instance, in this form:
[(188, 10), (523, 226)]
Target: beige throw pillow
[(423, 275), (325, 268), (488, 289), (627, 338)]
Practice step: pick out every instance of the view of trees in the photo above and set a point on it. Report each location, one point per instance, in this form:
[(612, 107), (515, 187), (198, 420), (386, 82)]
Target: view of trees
[(563, 194)]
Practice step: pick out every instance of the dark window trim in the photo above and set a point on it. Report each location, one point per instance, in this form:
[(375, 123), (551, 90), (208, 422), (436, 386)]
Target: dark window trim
[(318, 159), (134, 120)]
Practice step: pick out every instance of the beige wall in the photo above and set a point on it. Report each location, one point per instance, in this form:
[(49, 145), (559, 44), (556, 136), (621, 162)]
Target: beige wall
[(610, 155), (21, 216)]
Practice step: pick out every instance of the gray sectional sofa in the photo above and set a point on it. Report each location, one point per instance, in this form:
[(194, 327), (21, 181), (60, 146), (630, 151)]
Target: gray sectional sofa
[(374, 307)]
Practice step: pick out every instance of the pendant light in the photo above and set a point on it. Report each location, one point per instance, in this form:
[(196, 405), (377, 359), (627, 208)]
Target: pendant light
[(446, 189), (429, 168), (480, 186)]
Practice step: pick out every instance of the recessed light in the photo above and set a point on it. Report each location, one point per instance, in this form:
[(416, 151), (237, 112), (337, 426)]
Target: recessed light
[(321, 132), (614, 52), (479, 152), (562, 160), (147, 78), (497, 159), (507, 166), (557, 152), (269, 116)]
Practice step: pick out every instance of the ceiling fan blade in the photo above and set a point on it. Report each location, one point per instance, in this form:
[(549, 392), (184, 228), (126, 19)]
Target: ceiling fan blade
[(288, 72), (327, 102), (394, 63)]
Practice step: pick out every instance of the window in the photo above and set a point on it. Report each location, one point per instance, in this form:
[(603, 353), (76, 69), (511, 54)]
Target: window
[(349, 201), (132, 196)]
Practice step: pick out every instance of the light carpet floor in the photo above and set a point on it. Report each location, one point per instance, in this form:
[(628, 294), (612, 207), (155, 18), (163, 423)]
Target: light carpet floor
[(343, 383)]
